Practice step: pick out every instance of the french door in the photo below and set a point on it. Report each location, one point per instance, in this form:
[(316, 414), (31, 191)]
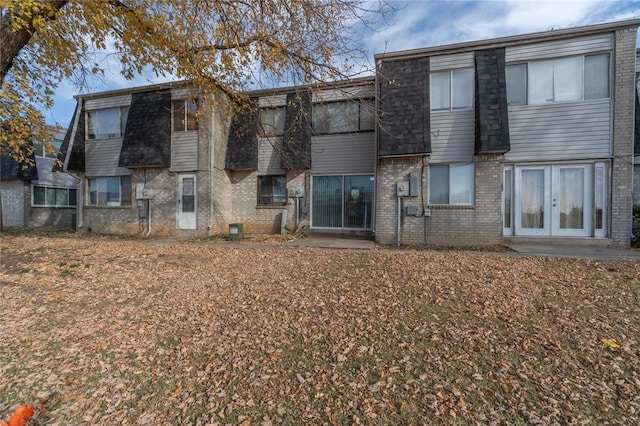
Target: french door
[(340, 202), (556, 200)]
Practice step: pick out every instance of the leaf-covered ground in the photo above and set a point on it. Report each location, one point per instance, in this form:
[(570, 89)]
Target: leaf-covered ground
[(127, 332)]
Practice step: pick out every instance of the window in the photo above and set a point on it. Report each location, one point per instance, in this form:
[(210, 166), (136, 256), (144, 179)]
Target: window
[(343, 117), (184, 116), (565, 79), (45, 196), (452, 89), (272, 121), (516, 84), (109, 191), (50, 150), (272, 190), (107, 123), (451, 184)]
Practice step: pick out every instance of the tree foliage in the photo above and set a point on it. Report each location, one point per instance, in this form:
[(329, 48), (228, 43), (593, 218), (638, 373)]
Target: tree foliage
[(222, 46)]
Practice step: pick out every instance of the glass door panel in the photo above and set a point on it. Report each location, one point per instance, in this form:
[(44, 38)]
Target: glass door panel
[(342, 202), (532, 199), (327, 201), (358, 195), (572, 200)]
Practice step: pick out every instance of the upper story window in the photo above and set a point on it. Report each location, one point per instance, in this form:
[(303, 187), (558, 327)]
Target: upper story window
[(107, 123), (49, 150), (557, 80), (184, 116), (272, 121), (343, 117), (451, 89)]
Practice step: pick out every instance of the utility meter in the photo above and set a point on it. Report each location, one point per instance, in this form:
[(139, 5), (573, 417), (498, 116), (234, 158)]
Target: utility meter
[(402, 189)]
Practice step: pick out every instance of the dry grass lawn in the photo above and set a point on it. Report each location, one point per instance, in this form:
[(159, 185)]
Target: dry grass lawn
[(107, 331)]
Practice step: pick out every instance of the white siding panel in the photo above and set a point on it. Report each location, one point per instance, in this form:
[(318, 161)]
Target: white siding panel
[(102, 157), (184, 151), (343, 153), (344, 93), (452, 136), (269, 159), (272, 101), (562, 131), (111, 102), (47, 177), (457, 60), (558, 48)]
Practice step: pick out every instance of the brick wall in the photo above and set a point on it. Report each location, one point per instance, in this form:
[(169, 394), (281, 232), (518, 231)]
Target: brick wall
[(623, 133), (51, 216), (14, 193), (479, 224), (262, 219)]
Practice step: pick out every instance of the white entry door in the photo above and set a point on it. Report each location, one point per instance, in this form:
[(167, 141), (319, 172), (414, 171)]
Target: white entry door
[(554, 200), (187, 202)]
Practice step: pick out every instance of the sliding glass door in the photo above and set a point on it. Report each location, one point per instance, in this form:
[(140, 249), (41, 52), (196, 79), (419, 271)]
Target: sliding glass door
[(342, 202)]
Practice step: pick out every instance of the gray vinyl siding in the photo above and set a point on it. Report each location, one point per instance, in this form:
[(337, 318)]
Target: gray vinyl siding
[(179, 93), (457, 60), (343, 153), (184, 151), (272, 101), (269, 158), (47, 177), (452, 136), (559, 48), (560, 131), (344, 93), (102, 157), (110, 102)]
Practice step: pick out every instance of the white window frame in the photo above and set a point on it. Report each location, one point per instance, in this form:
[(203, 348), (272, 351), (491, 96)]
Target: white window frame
[(119, 203), (453, 176), (184, 110), (552, 61), (451, 106), (272, 121), (122, 118)]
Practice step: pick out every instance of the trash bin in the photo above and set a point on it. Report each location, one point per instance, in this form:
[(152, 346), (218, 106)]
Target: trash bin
[(236, 232), (73, 221)]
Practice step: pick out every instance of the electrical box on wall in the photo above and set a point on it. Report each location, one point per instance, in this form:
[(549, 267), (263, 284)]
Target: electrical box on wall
[(141, 192), (411, 210), (414, 190), (402, 189), (296, 192)]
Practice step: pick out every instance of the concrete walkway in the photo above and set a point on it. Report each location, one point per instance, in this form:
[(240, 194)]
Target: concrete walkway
[(577, 252), (555, 251), (334, 243)]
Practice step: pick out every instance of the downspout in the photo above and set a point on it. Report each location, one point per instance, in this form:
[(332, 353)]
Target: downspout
[(79, 188), (148, 206), (211, 163)]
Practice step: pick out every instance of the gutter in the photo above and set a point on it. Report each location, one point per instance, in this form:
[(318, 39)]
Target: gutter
[(212, 144), (80, 187)]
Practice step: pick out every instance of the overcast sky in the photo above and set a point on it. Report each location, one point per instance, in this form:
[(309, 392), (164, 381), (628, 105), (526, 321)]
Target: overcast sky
[(425, 23)]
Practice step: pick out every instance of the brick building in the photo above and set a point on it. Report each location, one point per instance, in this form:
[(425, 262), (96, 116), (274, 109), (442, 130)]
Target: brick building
[(528, 137)]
